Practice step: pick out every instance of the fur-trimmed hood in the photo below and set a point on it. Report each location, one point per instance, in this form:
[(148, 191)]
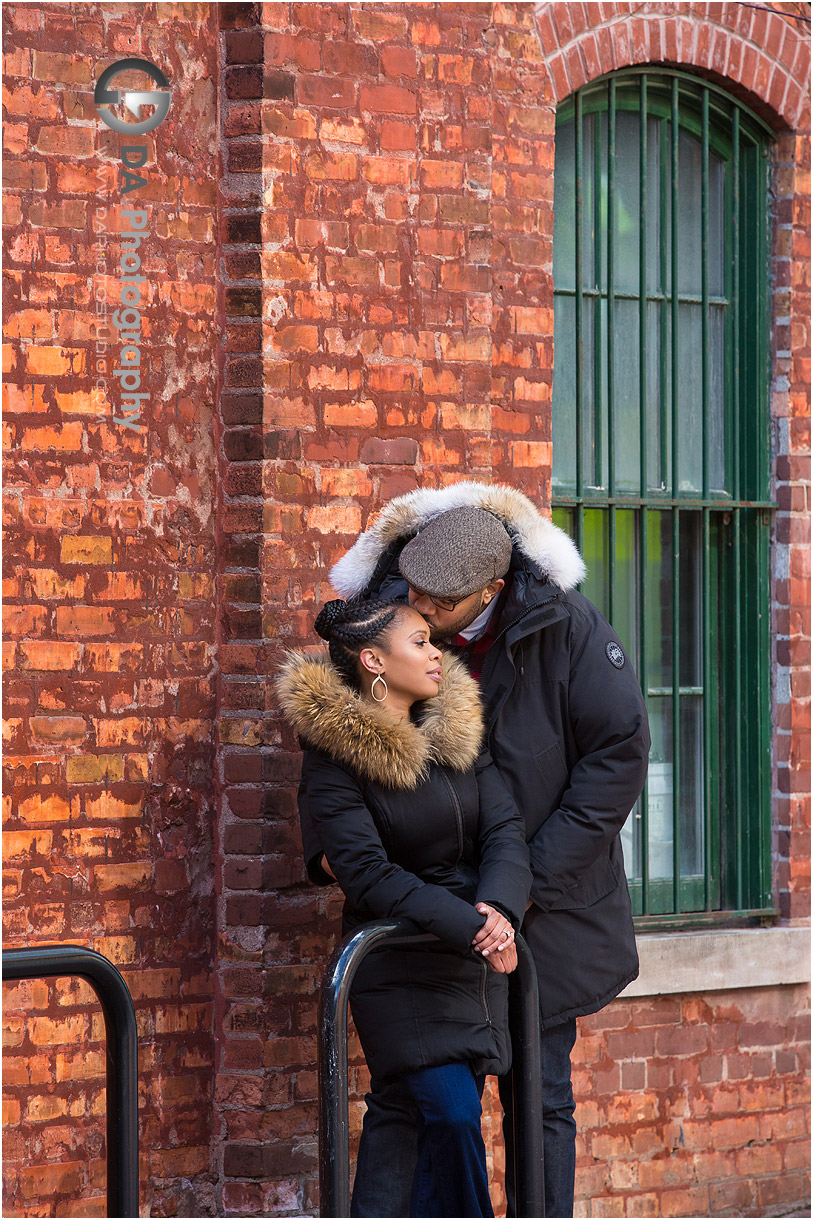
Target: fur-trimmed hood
[(539, 540), (330, 716)]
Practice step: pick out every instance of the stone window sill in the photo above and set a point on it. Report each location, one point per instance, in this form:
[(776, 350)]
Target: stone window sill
[(721, 960)]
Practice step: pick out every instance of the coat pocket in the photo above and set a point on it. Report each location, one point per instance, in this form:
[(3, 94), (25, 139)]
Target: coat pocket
[(600, 879), (553, 774)]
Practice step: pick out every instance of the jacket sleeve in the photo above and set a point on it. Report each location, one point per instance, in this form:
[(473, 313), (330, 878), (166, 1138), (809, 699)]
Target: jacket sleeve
[(505, 872), (311, 842), (609, 722), (370, 881)]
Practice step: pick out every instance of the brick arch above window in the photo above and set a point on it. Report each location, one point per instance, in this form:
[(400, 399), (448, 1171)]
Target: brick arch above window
[(766, 54)]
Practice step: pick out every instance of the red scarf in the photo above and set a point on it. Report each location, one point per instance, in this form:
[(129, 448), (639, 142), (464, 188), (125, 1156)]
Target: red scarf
[(473, 652)]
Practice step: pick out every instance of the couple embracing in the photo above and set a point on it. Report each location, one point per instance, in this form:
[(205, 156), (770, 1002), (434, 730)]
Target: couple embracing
[(474, 741)]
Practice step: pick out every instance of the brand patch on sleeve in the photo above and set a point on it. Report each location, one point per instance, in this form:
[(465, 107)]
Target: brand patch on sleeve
[(616, 654)]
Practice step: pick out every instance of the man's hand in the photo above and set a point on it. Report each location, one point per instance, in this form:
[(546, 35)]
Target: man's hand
[(505, 962), (327, 867), (496, 932)]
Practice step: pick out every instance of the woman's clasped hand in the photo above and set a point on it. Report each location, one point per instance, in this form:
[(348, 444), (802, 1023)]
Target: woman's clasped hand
[(496, 934)]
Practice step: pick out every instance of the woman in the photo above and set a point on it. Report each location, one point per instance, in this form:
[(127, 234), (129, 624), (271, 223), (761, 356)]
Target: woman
[(416, 821)]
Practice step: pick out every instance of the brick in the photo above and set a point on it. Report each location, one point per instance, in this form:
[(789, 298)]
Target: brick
[(57, 728), (380, 26), (84, 620), (533, 454), (363, 414), (334, 92), (130, 876), (388, 99), (378, 451), (335, 519), (48, 1180), (92, 550), (47, 809), (19, 844), (734, 1132)]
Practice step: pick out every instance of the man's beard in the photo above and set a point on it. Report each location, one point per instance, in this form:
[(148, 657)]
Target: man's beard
[(438, 635)]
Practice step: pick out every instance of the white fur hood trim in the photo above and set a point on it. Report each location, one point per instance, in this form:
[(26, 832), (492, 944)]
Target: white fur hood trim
[(538, 538)]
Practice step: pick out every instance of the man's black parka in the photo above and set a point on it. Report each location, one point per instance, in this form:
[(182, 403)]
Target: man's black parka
[(566, 726)]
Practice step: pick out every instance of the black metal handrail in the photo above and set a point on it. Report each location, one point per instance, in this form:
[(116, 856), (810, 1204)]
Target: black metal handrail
[(51, 961), (334, 1128)]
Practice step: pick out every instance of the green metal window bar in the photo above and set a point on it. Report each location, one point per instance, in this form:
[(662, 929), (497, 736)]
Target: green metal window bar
[(661, 459)]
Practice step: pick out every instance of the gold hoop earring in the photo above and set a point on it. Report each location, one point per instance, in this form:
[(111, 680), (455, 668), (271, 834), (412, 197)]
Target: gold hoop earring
[(378, 678)]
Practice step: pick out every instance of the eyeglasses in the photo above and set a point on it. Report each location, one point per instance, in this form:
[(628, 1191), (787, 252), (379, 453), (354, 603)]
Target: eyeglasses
[(442, 603)]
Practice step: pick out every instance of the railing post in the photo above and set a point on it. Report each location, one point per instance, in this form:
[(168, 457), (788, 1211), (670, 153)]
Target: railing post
[(526, 1072), (52, 961), (334, 1133)]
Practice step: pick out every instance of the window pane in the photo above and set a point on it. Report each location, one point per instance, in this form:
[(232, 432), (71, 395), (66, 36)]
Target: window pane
[(588, 202), (564, 208), (658, 439), (690, 609), (596, 554), (598, 216), (659, 791), (625, 592), (659, 599), (717, 404), (691, 785), (690, 399), (654, 281), (596, 406), (564, 391), (627, 202), (716, 226), (690, 228), (627, 430)]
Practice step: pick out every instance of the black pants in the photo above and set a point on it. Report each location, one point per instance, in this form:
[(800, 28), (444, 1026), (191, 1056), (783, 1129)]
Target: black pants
[(388, 1148)]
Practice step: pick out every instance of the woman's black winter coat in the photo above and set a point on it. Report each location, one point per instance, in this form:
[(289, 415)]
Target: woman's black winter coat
[(415, 821)]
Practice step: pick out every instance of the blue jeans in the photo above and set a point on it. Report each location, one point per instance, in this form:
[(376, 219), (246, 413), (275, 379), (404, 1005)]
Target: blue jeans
[(389, 1142), (451, 1178)]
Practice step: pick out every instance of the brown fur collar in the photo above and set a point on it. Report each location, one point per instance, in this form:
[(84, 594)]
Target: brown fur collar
[(330, 716)]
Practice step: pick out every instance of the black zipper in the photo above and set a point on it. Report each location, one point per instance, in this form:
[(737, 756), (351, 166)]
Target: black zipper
[(554, 597), (458, 814)]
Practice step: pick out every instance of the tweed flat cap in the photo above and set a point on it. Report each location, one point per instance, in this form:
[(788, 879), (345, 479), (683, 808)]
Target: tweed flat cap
[(457, 553)]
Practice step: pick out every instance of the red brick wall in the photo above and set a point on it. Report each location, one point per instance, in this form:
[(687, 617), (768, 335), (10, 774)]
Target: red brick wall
[(395, 278), (790, 403), (694, 1105), (109, 547), (397, 282), (368, 191)]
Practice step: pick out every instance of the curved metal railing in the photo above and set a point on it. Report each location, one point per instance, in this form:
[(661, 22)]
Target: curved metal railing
[(334, 1131), (51, 961)]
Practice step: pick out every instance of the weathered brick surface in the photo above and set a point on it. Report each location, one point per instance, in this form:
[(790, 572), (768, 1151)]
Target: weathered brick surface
[(108, 560), (694, 1105), (374, 213), (399, 335)]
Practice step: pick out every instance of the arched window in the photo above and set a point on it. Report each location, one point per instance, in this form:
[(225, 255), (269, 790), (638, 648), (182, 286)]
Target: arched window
[(661, 457)]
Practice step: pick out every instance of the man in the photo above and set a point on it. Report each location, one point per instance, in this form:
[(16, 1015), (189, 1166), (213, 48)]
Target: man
[(566, 725)]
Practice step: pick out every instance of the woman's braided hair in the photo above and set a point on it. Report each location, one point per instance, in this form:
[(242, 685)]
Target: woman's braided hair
[(351, 626)]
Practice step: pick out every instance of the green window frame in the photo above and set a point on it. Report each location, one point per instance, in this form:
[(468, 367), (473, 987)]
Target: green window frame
[(661, 460)]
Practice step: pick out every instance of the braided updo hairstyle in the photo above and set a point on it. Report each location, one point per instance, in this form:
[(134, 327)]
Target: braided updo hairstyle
[(350, 627)]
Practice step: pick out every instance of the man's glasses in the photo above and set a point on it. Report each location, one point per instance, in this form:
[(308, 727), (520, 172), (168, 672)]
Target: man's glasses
[(442, 603)]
